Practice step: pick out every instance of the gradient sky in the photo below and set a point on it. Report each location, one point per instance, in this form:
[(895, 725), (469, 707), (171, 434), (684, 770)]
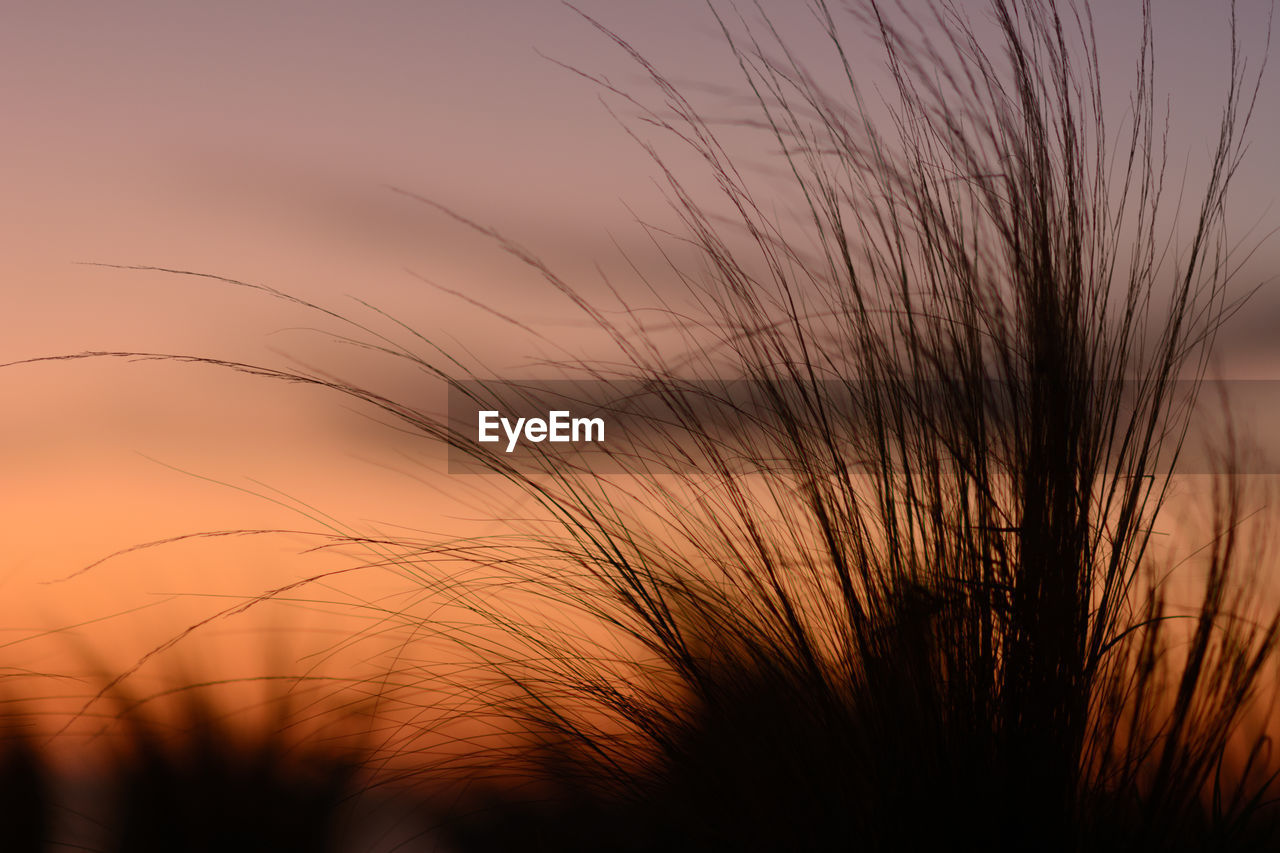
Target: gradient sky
[(257, 141)]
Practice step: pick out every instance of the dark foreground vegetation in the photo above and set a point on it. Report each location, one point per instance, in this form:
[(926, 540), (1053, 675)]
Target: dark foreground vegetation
[(937, 622), (25, 814), (184, 781)]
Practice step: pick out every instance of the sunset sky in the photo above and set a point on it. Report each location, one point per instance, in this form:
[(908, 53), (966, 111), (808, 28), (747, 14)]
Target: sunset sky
[(259, 141)]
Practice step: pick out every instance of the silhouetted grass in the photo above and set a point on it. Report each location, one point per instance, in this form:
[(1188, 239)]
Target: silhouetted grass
[(935, 621), (190, 781), (25, 802), (177, 770), (934, 616)]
